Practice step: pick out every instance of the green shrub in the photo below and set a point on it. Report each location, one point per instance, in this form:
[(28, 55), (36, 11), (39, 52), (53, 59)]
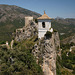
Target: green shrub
[(48, 35), (73, 70), (22, 61), (2, 42), (54, 30), (4, 47), (36, 21), (15, 43)]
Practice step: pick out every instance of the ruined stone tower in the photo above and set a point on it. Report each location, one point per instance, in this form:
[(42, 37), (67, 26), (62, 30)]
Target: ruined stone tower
[(28, 19)]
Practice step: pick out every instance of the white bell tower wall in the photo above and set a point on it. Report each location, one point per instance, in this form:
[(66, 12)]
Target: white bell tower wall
[(43, 27)]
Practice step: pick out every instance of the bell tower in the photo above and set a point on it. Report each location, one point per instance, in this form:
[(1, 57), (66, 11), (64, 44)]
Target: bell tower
[(44, 25)]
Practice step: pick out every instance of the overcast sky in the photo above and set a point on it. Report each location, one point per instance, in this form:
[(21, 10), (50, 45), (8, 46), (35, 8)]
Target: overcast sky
[(53, 8)]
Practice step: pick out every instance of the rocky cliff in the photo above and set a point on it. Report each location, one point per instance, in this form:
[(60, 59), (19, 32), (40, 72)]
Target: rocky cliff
[(45, 52)]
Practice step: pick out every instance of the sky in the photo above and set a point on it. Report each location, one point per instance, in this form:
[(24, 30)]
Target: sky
[(53, 8)]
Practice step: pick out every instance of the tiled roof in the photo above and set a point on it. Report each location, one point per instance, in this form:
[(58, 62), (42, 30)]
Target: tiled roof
[(45, 16)]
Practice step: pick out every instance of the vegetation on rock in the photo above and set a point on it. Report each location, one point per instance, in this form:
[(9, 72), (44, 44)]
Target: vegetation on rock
[(66, 63), (19, 60)]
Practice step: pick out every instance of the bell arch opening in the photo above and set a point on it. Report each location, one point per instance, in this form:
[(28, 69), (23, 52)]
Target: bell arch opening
[(43, 24)]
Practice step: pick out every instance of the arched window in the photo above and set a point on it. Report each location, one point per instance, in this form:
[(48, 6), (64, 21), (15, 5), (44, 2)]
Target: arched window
[(43, 24)]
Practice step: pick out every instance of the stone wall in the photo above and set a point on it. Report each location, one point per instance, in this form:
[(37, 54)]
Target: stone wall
[(26, 32)]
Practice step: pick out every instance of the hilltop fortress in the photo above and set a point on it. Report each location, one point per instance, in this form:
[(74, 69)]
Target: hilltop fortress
[(31, 28), (27, 31), (46, 48)]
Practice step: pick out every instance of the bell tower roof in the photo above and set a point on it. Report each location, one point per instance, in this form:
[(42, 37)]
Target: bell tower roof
[(45, 16)]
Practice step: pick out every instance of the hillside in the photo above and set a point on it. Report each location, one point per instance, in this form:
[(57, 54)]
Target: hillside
[(12, 17), (70, 39), (66, 21), (11, 12), (19, 60), (64, 29)]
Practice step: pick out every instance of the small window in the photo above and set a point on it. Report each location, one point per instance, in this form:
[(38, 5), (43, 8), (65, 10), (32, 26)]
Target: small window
[(43, 24)]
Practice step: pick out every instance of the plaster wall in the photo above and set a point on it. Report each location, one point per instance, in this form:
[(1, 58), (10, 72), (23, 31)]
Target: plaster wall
[(42, 31)]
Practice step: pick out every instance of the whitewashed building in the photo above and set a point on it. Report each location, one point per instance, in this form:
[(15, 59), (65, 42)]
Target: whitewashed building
[(44, 25)]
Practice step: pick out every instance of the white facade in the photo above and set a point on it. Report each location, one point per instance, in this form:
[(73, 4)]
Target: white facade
[(44, 25)]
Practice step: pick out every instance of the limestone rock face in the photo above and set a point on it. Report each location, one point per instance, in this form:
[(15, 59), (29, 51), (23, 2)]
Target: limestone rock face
[(57, 40), (47, 51)]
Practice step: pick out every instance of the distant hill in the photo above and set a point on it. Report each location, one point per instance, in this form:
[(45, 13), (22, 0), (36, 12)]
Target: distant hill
[(12, 12), (66, 21), (70, 39), (12, 17), (65, 30)]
